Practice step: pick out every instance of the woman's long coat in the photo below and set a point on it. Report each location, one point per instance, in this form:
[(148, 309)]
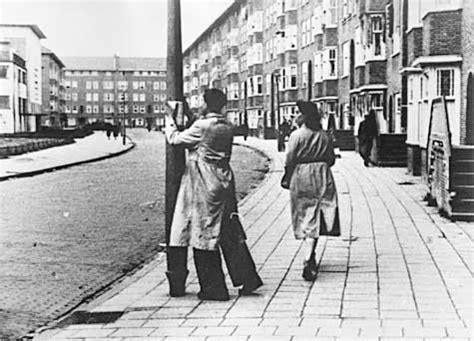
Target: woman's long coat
[(313, 195), (206, 196)]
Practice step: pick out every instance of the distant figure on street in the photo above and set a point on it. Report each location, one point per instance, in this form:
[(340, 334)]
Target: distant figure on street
[(366, 134), (245, 130), (206, 207), (308, 176), (116, 129), (108, 131), (283, 132)]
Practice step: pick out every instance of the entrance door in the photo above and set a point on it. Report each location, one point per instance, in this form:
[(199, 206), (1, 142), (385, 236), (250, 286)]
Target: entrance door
[(470, 110)]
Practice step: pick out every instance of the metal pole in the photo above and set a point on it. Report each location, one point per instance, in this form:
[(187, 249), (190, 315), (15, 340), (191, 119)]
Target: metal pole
[(175, 158), (124, 123)]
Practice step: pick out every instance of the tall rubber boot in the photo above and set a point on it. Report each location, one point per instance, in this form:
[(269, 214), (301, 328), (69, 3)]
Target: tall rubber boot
[(210, 275), (176, 259)]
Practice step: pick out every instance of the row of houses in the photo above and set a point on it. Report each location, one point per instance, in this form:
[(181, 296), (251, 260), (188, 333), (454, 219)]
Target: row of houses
[(396, 57), (39, 89)]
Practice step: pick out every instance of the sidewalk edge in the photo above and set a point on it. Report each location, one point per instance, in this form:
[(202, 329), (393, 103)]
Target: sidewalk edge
[(67, 165)]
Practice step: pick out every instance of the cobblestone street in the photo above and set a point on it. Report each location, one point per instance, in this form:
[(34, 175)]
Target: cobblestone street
[(398, 271), (64, 235)]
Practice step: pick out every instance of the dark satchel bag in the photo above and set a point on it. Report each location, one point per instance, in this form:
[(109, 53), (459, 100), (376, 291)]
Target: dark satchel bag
[(286, 179)]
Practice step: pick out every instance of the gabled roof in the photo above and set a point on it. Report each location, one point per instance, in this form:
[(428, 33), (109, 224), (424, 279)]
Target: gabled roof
[(34, 28), (107, 63)]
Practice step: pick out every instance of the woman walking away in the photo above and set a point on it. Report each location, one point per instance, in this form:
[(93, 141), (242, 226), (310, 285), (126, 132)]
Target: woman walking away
[(308, 176), (204, 216)]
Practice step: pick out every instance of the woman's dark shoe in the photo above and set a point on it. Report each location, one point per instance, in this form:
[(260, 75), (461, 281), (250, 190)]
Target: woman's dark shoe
[(310, 271), (223, 296), (249, 288)]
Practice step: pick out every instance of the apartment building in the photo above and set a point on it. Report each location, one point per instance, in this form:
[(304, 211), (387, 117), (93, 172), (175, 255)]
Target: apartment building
[(115, 89), (13, 90), (26, 42), (349, 57), (53, 94)]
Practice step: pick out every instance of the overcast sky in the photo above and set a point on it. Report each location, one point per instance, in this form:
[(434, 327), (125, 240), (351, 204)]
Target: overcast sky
[(130, 28)]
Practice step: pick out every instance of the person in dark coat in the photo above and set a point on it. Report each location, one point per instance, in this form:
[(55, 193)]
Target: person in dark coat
[(283, 132), (116, 129), (366, 134), (108, 131), (206, 205)]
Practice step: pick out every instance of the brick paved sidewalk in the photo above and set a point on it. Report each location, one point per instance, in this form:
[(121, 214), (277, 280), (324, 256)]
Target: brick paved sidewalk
[(90, 148), (399, 271)]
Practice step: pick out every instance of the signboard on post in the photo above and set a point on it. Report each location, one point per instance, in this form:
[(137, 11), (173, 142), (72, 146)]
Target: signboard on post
[(439, 154)]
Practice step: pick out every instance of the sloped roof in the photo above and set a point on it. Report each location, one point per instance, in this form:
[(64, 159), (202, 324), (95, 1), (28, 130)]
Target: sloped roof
[(107, 63), (34, 28), (45, 50)]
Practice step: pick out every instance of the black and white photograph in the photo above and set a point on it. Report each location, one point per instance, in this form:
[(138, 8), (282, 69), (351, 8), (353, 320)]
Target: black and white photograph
[(236, 170)]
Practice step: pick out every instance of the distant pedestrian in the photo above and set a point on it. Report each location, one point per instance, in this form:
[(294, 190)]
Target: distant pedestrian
[(206, 207), (283, 132), (366, 134), (108, 131), (245, 130), (308, 176), (116, 130)]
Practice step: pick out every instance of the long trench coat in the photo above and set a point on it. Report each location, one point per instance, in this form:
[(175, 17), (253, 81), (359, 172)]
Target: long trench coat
[(313, 196), (206, 197)]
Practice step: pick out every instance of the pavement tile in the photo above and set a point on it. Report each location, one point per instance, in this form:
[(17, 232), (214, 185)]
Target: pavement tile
[(270, 338), (241, 321), (227, 338), (132, 332), (173, 331), (255, 330), (214, 331), (460, 332), (339, 332), (125, 324), (164, 322), (303, 331), (381, 331), (280, 322), (138, 315), (424, 332), (202, 322), (83, 333)]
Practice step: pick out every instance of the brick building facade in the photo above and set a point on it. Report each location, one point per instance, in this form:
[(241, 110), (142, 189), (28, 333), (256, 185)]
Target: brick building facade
[(348, 56), (53, 100), (113, 89)]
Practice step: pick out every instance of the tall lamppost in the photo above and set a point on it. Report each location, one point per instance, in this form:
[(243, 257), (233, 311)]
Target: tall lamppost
[(275, 79), (176, 257), (123, 104)]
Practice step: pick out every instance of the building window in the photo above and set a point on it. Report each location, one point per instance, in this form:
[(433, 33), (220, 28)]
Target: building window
[(67, 96), (74, 84), (135, 109), (95, 109), (376, 35), (95, 97), (142, 109), (346, 59), (156, 108), (3, 71), (89, 109), (88, 97), (108, 85), (142, 86), (74, 96), (318, 67), (293, 76), (142, 97), (74, 109), (304, 74), (163, 97), (135, 85), (88, 85), (108, 97), (156, 85), (156, 98), (163, 85), (259, 84), (67, 84), (135, 97), (67, 109), (122, 85), (445, 82), (95, 85), (4, 102)]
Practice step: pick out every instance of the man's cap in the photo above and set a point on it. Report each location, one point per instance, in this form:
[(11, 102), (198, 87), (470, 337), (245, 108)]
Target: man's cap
[(215, 97)]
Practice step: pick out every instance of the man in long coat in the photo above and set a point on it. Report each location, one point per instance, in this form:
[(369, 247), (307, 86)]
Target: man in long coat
[(205, 203)]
